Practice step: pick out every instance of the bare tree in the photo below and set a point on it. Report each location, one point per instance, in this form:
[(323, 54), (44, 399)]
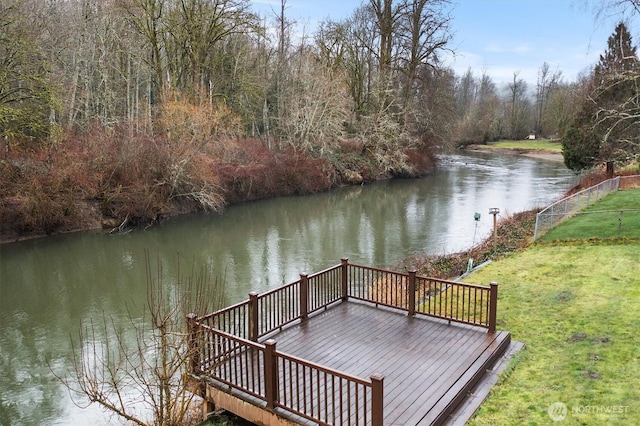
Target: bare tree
[(546, 82), (518, 107), (349, 50), (139, 374), (313, 107), (562, 102), (424, 33), (621, 140), (477, 109), (619, 8), (386, 19), (488, 108), (26, 95)]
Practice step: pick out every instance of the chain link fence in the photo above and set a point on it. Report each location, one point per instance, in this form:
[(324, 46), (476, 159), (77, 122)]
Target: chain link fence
[(563, 209), (628, 182)]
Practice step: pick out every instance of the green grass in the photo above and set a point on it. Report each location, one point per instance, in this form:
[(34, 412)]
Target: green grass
[(540, 144), (594, 223), (577, 310)]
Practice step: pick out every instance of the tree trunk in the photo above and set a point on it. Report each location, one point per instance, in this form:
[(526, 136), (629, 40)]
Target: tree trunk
[(610, 169)]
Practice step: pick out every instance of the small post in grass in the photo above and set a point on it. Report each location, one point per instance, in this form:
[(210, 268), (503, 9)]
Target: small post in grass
[(494, 211)]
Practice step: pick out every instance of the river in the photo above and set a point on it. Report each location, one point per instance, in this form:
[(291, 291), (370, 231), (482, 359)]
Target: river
[(49, 286)]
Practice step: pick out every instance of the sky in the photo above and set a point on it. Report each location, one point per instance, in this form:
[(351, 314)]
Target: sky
[(499, 37)]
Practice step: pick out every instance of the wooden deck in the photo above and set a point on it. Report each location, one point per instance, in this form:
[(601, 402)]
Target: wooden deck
[(428, 365), (351, 345)]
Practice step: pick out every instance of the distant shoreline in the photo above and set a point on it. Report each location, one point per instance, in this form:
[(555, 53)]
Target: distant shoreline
[(92, 219), (542, 154)]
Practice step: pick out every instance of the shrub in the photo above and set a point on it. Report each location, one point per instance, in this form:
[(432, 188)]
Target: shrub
[(252, 172)]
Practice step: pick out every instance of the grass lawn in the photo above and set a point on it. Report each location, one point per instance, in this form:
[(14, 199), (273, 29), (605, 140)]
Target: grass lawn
[(577, 309), (539, 144), (590, 224)]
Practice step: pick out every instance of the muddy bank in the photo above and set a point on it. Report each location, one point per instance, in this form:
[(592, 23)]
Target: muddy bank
[(533, 153), (514, 233)]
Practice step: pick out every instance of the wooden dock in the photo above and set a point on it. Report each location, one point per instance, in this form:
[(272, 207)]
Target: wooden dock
[(428, 365), (339, 350)]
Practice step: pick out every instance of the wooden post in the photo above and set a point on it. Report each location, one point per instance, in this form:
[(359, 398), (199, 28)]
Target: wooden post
[(304, 296), (495, 231), (493, 307), (345, 278), (253, 316), (271, 373), (411, 290), (192, 344), (377, 399)]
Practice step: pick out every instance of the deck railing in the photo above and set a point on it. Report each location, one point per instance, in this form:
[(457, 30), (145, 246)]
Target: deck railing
[(225, 347), (324, 395), (231, 360), (233, 319), (449, 300), (309, 390), (264, 313)]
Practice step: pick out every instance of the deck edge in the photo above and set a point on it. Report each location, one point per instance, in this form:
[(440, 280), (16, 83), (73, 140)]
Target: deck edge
[(455, 396)]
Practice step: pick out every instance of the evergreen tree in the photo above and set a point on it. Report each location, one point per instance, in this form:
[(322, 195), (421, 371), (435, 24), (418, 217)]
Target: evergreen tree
[(602, 131), (620, 55), (581, 144)]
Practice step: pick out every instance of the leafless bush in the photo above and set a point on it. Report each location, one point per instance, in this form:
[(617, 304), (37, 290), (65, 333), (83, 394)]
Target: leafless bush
[(139, 374)]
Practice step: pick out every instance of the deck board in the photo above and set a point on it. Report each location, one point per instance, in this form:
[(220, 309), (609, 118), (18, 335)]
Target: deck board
[(426, 362)]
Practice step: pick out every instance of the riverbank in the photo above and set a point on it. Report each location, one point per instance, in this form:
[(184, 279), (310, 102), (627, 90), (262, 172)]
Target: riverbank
[(98, 183), (119, 182), (514, 233), (541, 149), (575, 314)]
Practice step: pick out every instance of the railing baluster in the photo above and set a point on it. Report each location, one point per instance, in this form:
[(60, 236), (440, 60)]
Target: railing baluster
[(411, 290), (341, 402), (349, 402), (318, 393), (297, 388), (354, 404), (304, 296), (253, 316), (475, 305), (481, 304), (465, 292)]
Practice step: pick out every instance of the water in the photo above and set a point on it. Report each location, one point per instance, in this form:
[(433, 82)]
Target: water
[(49, 286)]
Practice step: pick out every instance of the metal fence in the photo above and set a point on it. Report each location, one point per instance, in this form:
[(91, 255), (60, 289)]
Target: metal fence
[(628, 182), (565, 208)]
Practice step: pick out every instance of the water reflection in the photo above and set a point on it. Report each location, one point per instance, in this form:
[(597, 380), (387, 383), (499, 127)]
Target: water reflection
[(47, 287)]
